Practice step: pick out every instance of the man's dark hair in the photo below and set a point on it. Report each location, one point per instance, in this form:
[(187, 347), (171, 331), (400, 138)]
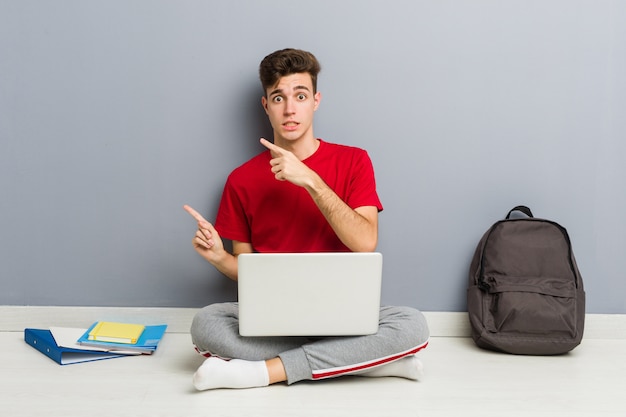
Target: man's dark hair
[(286, 62)]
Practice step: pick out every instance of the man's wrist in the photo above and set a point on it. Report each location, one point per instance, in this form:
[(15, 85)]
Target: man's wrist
[(316, 185)]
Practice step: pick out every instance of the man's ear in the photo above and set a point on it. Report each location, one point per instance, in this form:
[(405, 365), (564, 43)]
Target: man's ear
[(264, 103), (318, 99)]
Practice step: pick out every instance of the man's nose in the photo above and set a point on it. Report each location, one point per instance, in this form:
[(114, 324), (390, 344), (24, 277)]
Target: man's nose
[(289, 107)]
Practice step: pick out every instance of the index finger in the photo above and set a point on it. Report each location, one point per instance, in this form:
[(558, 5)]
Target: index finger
[(194, 213), (269, 145)]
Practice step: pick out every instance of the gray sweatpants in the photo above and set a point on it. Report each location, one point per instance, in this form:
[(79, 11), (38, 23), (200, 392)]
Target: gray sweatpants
[(402, 331)]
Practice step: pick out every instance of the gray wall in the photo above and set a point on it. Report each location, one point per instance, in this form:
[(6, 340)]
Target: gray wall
[(113, 114)]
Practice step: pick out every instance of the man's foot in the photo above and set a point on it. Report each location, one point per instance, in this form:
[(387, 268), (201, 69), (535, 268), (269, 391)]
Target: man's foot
[(235, 373), (409, 367)]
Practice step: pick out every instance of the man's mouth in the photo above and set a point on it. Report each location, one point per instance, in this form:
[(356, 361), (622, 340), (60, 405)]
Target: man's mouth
[(290, 125)]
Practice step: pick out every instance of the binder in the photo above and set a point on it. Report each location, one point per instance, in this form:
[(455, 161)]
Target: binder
[(44, 342)]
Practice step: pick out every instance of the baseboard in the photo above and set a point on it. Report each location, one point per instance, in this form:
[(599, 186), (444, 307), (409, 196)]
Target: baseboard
[(441, 324), (456, 324), (17, 318)]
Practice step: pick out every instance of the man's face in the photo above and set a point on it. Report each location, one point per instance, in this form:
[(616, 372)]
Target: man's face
[(290, 105)]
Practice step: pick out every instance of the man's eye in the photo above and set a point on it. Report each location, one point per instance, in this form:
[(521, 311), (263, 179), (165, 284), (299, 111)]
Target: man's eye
[(301, 97), (277, 99)]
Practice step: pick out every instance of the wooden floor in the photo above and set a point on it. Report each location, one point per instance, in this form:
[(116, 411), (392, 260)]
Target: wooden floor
[(459, 380)]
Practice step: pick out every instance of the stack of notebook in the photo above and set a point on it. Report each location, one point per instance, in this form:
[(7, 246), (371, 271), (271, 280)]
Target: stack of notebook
[(102, 340)]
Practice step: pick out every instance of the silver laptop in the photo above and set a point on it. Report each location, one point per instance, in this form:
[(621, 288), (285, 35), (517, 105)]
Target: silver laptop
[(309, 294)]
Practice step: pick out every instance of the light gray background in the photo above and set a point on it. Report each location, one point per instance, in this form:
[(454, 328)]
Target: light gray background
[(113, 114)]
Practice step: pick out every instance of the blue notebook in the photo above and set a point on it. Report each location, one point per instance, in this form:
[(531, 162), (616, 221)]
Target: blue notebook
[(44, 342), (147, 343)]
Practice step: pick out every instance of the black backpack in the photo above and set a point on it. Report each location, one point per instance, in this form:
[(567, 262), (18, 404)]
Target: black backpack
[(525, 293)]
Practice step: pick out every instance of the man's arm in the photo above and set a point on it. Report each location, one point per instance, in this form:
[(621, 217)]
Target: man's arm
[(357, 229), (208, 243)]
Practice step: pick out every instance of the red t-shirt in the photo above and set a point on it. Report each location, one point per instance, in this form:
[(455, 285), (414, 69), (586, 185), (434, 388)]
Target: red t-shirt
[(278, 216)]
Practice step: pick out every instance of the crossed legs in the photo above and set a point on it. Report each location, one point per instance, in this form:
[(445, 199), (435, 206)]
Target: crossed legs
[(261, 361)]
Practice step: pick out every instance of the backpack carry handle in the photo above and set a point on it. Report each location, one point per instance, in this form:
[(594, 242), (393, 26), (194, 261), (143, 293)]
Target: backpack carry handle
[(523, 209)]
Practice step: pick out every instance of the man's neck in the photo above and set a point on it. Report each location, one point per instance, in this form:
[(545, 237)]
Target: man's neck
[(301, 148)]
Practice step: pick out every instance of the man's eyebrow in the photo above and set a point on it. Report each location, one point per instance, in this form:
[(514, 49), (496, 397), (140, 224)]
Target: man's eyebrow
[(277, 91), (298, 87)]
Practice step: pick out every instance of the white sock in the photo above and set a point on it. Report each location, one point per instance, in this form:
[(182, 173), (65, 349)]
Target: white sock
[(408, 367), (235, 373)]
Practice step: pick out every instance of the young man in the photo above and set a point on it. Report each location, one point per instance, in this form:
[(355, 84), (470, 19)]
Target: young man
[(301, 195)]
